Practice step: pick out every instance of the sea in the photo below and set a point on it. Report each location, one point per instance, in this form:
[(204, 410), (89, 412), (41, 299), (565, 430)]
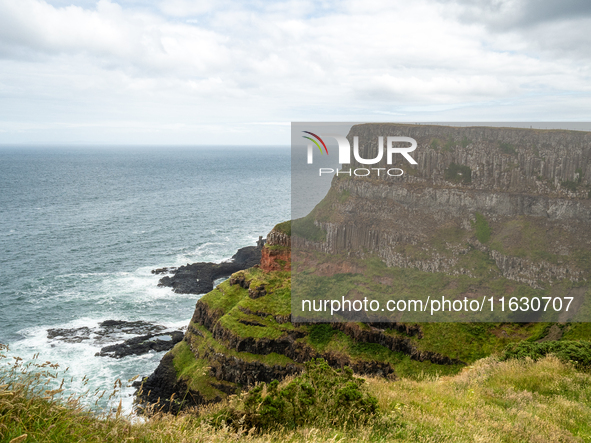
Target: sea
[(82, 227)]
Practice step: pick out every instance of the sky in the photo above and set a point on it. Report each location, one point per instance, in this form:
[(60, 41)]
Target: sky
[(228, 72)]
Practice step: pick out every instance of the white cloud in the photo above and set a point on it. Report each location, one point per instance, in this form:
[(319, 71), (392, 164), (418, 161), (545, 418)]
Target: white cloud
[(184, 69), (186, 8)]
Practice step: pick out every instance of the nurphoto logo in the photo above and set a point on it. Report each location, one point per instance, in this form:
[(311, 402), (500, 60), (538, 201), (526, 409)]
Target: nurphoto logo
[(392, 147)]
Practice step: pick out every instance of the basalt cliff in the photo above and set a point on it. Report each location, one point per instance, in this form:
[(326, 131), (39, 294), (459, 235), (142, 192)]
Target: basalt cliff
[(487, 210)]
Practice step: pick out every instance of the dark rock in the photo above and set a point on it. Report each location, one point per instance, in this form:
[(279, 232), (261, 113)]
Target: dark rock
[(240, 280), (163, 270), (251, 323), (198, 278), (161, 386), (286, 345), (107, 331), (257, 292), (109, 327), (149, 337), (142, 345), (396, 344), (75, 335), (278, 318)]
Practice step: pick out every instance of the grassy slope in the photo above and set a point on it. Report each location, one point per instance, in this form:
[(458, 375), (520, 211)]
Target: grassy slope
[(230, 300), (467, 342), (491, 401), (520, 237)]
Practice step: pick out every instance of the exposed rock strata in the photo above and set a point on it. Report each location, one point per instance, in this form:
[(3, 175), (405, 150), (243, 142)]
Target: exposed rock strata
[(276, 255), (300, 352), (542, 177), (400, 344)]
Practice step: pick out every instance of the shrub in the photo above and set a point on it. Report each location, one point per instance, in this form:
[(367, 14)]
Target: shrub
[(458, 173), (578, 352), (507, 148), (570, 185), (320, 397)]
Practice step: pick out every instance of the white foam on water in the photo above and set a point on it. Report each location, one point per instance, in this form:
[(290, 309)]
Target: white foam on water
[(80, 360), (128, 296)]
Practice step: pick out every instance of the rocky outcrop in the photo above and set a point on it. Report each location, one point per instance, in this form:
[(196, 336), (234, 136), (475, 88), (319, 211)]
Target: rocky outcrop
[(142, 345), (278, 318), (276, 254), (198, 278), (163, 391), (556, 163), (300, 352), (146, 337)]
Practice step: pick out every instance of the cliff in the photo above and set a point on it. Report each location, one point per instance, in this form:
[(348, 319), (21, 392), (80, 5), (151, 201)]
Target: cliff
[(276, 255), (241, 333), (503, 205), (487, 211)]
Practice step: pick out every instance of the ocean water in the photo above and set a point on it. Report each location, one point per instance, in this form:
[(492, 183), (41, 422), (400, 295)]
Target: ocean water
[(81, 229)]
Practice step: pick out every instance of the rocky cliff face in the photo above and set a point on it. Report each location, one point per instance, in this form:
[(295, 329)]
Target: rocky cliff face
[(553, 163), (276, 254), (522, 197)]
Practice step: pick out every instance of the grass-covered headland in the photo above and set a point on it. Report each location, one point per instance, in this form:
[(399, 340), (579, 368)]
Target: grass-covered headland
[(532, 392)]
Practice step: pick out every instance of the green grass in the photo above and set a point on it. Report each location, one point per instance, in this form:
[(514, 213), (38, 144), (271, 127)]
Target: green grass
[(206, 343), (323, 338), (284, 228), (271, 329), (518, 400), (224, 297), (306, 228), (577, 331), (320, 335), (279, 303), (483, 231), (321, 396), (578, 352), (195, 372), (472, 341)]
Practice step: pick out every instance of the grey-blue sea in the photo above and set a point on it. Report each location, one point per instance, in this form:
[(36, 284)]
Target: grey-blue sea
[(81, 228)]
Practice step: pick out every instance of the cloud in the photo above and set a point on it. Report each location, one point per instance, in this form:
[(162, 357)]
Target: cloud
[(186, 68), (186, 8), (511, 14)]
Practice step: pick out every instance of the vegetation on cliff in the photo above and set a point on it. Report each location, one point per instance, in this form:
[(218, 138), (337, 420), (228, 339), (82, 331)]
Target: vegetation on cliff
[(320, 397), (546, 400)]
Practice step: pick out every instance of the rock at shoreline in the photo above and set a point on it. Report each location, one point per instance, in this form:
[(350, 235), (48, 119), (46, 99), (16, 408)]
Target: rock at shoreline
[(149, 337), (107, 331), (142, 345), (198, 278)]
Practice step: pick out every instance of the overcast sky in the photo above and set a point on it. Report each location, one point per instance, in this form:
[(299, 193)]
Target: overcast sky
[(225, 72)]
